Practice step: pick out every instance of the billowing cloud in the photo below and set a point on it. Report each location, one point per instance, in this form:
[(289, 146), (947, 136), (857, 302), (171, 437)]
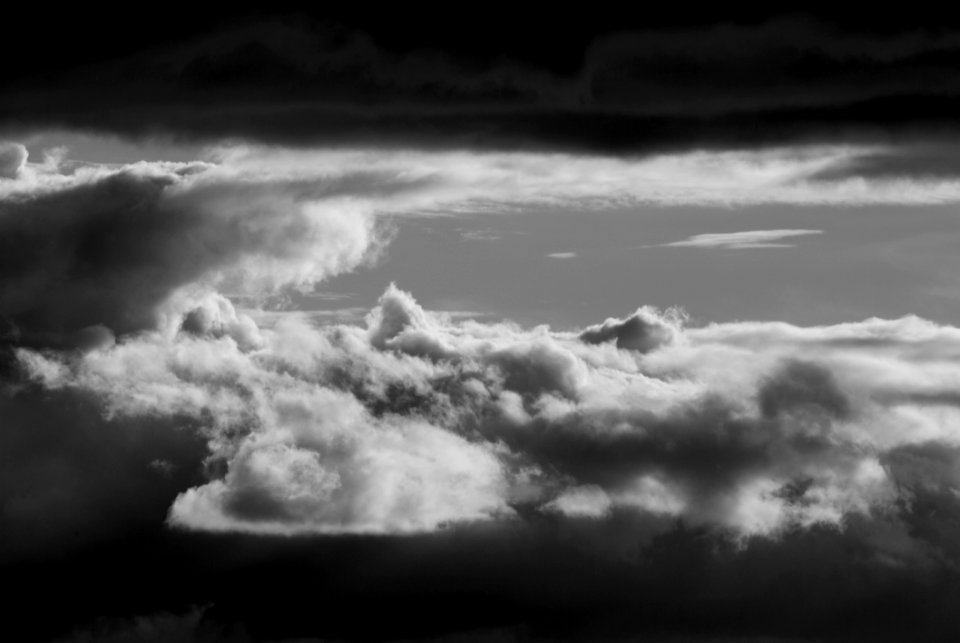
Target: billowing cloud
[(416, 421), (110, 246), (741, 240)]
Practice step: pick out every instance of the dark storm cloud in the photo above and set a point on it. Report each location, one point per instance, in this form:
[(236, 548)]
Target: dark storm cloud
[(56, 493), (544, 582), (622, 86)]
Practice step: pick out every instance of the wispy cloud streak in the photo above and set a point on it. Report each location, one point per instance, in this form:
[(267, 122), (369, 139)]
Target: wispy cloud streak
[(741, 240)]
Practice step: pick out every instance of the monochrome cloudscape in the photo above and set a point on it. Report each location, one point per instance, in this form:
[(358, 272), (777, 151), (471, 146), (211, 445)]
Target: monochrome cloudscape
[(223, 417)]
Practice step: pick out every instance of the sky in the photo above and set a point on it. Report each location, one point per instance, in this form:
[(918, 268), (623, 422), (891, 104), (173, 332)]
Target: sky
[(343, 325)]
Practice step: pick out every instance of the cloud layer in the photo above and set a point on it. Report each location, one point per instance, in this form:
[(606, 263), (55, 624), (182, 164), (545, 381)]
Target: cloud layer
[(84, 246), (609, 83)]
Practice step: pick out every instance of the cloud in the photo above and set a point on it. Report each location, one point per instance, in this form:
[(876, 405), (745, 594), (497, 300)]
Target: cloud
[(643, 331), (13, 156), (668, 82), (111, 247), (562, 255), (73, 479), (741, 240), (417, 421), (88, 246), (929, 162), (641, 459), (421, 420)]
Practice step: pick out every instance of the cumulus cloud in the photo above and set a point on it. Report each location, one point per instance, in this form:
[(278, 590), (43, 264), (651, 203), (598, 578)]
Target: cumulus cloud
[(415, 421), (742, 240)]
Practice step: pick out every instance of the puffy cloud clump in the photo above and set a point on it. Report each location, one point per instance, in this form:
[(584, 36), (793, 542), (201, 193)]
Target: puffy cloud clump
[(415, 421)]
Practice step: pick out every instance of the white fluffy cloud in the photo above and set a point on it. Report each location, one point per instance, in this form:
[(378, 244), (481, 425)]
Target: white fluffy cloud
[(416, 421)]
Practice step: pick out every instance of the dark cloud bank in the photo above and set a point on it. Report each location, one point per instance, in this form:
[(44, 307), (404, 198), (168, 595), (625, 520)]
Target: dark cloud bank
[(662, 79)]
